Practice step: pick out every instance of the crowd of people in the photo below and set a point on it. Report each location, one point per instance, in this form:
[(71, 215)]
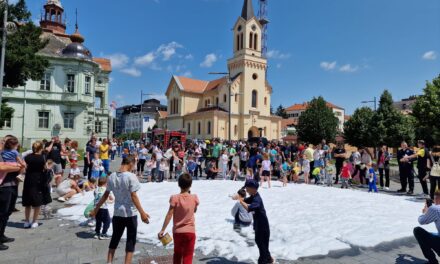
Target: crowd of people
[(42, 171)]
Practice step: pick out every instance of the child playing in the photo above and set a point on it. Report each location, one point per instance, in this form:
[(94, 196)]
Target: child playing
[(241, 216), (249, 174), (73, 155), (74, 170), (88, 185), (97, 167), (265, 169), (182, 209), (163, 167), (124, 186), (150, 166), (372, 179), (329, 172), (318, 173), (254, 204), (47, 199), (345, 175), (224, 162), (102, 216), (11, 155), (234, 172), (68, 188), (191, 166), (285, 170)]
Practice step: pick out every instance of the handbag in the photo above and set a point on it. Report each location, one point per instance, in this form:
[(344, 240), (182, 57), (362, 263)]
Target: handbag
[(435, 169)]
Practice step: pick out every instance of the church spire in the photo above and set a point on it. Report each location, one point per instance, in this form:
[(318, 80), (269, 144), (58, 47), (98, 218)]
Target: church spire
[(248, 10)]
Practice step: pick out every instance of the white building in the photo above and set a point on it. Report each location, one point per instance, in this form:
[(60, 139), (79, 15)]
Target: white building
[(71, 100), (295, 111)]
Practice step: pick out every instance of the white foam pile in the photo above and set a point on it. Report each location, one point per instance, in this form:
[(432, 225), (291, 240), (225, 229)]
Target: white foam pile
[(305, 220)]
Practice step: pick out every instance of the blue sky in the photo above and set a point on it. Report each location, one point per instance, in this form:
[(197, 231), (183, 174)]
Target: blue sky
[(345, 50)]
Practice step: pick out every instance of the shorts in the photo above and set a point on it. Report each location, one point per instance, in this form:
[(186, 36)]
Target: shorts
[(57, 168), (62, 192), (265, 173), (96, 174)]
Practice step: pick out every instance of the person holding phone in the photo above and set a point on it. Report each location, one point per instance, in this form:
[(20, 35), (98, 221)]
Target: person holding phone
[(430, 243), (124, 186)]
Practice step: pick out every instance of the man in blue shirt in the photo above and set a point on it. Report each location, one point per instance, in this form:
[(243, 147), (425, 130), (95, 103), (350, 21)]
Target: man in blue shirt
[(406, 168), (430, 242), (254, 204)]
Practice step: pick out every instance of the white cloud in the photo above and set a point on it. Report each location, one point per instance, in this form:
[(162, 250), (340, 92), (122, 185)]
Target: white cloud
[(210, 59), (168, 50), (348, 68), (279, 65), (160, 97), (187, 74), (119, 60), (189, 57), (111, 79), (132, 72), (145, 60), (430, 55), (328, 66), (276, 54)]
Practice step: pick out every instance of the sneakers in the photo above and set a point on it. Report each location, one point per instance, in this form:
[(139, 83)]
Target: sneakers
[(27, 225), (20, 178), (104, 237), (410, 192), (34, 225), (96, 236), (387, 188), (91, 223), (61, 199)]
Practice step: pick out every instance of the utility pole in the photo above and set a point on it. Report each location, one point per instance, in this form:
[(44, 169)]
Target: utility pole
[(372, 101), (3, 53)]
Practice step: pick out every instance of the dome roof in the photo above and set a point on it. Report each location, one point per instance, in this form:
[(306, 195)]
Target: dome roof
[(54, 2), (77, 50)]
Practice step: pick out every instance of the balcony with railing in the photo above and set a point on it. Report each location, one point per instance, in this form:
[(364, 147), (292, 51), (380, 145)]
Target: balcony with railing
[(49, 96)]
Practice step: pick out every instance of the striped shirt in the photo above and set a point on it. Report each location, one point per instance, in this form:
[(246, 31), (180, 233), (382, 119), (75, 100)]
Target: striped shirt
[(433, 215)]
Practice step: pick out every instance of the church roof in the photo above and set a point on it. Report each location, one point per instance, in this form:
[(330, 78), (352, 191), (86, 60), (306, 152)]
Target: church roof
[(198, 86), (248, 10)]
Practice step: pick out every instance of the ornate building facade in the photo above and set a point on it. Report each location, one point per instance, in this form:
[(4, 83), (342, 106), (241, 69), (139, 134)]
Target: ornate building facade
[(71, 100), (201, 108)]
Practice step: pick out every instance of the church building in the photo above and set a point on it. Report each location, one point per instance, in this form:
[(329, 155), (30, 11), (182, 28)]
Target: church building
[(202, 108)]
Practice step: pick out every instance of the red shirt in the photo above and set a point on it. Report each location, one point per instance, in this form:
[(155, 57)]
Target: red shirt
[(184, 206), (345, 172)]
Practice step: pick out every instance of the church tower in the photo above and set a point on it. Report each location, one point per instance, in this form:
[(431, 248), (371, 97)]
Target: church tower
[(53, 20), (249, 63)]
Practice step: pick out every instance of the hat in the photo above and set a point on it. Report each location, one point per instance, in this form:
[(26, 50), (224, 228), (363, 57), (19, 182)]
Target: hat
[(207, 142), (252, 184)]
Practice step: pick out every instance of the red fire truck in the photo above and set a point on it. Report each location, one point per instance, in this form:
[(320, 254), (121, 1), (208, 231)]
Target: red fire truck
[(166, 137)]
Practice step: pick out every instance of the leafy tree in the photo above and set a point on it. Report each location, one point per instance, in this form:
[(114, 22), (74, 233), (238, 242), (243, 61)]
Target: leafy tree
[(281, 111), (6, 113), (271, 109), (357, 130), (22, 61), (317, 122), (426, 111)]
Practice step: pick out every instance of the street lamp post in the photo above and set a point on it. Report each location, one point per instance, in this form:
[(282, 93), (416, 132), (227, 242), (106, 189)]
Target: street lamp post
[(228, 74), (3, 53), (372, 101), (141, 113)]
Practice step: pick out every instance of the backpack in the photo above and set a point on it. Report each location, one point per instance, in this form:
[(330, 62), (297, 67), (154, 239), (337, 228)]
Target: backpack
[(435, 169)]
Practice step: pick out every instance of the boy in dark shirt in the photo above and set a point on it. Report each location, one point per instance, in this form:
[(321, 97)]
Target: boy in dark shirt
[(254, 204)]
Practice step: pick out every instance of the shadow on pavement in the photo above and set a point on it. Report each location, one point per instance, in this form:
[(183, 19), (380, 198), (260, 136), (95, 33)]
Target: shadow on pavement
[(85, 235), (408, 259), (19, 225), (217, 260)]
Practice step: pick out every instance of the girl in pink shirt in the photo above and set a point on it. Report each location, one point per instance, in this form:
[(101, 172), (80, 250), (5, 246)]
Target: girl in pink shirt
[(182, 209)]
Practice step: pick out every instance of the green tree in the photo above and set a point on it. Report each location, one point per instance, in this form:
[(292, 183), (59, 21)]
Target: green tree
[(22, 61), (281, 111), (357, 130), (390, 126), (426, 112), (317, 122), (6, 113)]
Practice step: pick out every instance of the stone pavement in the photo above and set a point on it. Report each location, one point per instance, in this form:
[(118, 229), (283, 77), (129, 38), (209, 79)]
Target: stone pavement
[(61, 241)]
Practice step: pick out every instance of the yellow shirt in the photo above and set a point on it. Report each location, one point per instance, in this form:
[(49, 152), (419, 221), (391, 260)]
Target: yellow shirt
[(308, 154), (421, 152), (103, 151)]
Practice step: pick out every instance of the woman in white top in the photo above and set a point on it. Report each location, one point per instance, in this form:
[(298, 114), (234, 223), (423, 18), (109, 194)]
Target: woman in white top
[(265, 170)]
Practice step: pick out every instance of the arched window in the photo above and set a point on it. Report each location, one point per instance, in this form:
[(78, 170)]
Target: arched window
[(236, 97), (254, 98), (189, 128), (241, 41), (251, 36), (256, 42), (199, 128), (238, 42), (235, 130), (224, 98), (208, 129), (216, 101), (265, 101)]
